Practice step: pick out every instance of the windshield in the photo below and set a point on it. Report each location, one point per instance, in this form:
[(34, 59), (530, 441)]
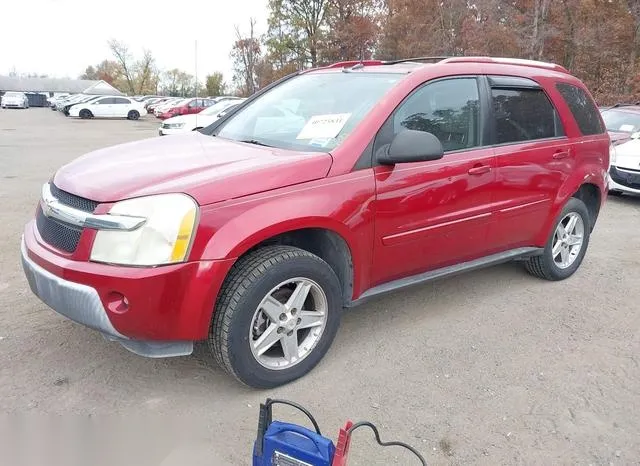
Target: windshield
[(626, 122), (311, 112), (220, 106), (13, 94)]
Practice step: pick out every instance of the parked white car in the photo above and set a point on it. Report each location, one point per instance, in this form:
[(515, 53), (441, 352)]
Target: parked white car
[(14, 100), (109, 107), (185, 123), (623, 124)]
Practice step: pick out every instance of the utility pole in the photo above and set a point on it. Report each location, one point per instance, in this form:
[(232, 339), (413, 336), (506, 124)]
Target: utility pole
[(196, 68)]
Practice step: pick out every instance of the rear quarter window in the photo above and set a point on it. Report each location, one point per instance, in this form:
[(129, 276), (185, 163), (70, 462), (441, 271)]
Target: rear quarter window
[(583, 109)]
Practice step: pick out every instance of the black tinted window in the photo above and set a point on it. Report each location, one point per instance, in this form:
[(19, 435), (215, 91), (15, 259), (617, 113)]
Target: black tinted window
[(448, 109), (582, 107), (120, 100), (523, 115), (105, 101)]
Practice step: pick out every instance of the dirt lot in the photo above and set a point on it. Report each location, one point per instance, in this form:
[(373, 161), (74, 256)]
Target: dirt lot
[(493, 367)]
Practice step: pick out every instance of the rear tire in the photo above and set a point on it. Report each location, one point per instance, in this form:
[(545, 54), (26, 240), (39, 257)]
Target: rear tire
[(552, 266), (240, 320), (133, 115), (85, 114)]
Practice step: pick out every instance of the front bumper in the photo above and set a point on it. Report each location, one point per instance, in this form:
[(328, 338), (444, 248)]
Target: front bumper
[(82, 304), (624, 180), (167, 309)]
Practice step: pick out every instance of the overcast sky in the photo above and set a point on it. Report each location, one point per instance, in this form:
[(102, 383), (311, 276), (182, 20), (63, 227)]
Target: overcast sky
[(61, 38)]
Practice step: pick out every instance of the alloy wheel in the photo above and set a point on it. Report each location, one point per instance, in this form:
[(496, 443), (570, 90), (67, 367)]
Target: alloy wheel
[(288, 323), (567, 240)]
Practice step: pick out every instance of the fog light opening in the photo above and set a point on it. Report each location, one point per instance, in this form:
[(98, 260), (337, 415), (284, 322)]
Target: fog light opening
[(117, 303)]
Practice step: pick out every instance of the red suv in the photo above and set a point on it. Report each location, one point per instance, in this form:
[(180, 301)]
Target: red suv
[(187, 107), (325, 189)]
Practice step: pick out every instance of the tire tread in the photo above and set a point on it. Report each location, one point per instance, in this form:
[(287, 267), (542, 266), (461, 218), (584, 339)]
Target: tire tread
[(243, 274)]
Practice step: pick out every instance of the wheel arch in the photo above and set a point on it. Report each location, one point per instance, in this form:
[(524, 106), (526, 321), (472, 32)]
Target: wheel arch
[(320, 236), (325, 243), (589, 191)]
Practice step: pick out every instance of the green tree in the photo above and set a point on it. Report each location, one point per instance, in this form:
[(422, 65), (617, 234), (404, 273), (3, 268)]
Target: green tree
[(215, 84), (297, 29), (89, 73)]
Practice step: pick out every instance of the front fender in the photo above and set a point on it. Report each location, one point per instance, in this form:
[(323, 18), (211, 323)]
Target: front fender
[(342, 207)]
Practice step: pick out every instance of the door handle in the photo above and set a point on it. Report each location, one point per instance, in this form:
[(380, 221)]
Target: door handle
[(479, 170), (563, 154)]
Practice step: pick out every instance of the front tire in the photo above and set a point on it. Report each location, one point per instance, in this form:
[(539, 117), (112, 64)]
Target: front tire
[(276, 316), (133, 115), (567, 245), (85, 114)]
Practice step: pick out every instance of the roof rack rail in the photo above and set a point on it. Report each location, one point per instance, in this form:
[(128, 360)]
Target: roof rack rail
[(508, 61), (405, 60), (349, 63)]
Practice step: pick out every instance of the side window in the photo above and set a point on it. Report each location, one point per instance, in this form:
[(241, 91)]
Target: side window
[(105, 101), (193, 103), (523, 115), (582, 107), (449, 109), (120, 100)]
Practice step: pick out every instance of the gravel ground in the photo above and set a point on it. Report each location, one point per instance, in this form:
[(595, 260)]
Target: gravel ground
[(492, 367)]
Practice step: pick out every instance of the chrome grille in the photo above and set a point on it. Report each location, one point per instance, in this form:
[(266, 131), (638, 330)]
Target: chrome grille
[(58, 234)]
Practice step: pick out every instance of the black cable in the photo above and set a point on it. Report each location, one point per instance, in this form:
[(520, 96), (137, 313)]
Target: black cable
[(386, 444), (299, 407)]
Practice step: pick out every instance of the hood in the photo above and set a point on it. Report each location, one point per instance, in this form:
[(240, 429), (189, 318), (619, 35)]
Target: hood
[(209, 169), (192, 119), (619, 137), (178, 119)]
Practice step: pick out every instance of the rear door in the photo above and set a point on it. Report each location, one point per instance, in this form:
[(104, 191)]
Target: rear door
[(436, 213), (533, 155), (120, 107)]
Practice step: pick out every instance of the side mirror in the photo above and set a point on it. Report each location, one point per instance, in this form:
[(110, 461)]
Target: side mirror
[(412, 146)]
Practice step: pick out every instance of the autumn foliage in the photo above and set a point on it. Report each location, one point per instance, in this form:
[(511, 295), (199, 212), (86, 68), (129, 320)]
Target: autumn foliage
[(597, 40)]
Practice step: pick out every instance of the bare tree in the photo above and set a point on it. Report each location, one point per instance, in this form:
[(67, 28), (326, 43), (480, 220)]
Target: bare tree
[(246, 55), (145, 69), (121, 53)]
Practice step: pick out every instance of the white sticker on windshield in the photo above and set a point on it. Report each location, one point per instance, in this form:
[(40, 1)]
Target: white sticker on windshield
[(626, 128), (324, 126)]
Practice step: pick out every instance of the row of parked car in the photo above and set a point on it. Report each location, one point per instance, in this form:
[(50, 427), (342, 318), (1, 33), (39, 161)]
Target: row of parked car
[(178, 114), (100, 106)]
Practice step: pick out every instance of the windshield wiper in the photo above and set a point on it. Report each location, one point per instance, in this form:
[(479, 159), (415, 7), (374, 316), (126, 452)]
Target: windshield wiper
[(256, 142)]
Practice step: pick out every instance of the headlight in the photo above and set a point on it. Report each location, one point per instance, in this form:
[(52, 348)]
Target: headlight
[(175, 125), (612, 155), (165, 237)]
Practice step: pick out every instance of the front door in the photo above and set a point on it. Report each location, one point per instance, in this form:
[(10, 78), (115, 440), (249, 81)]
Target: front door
[(434, 214), (195, 106), (102, 107)]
